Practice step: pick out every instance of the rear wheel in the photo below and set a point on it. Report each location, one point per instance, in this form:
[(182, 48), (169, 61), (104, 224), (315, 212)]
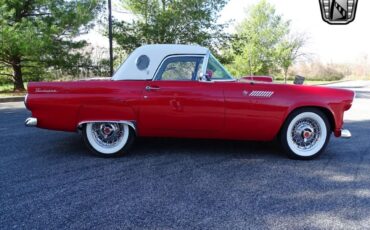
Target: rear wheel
[(305, 134), (108, 139)]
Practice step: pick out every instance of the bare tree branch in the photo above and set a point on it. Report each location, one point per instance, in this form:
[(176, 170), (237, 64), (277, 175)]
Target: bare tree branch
[(7, 63), (6, 74)]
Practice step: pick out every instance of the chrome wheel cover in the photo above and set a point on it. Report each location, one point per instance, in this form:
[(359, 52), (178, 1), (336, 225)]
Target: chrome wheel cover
[(107, 137), (306, 134), (107, 134)]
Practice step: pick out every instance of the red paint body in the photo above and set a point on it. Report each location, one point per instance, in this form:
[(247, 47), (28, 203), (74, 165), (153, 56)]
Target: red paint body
[(189, 109)]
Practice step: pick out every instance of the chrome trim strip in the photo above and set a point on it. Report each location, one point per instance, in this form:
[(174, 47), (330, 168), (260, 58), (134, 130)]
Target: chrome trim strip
[(264, 94), (345, 133), (25, 101), (132, 124), (25, 98), (31, 122), (225, 80), (204, 67)]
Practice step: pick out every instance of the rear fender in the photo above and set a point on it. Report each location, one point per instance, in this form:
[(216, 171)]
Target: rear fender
[(132, 124), (106, 113)]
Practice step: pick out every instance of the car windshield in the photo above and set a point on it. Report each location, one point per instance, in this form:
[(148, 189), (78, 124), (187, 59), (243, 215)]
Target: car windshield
[(216, 71)]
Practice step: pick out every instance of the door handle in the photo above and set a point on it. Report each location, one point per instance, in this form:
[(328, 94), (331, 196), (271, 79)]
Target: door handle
[(150, 88)]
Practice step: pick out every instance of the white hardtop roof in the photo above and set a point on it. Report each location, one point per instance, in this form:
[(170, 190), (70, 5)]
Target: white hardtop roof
[(156, 53)]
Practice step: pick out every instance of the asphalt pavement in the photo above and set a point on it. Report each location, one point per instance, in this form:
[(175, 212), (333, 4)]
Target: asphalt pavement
[(48, 180)]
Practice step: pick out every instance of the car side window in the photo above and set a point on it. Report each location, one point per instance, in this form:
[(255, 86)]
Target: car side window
[(180, 68), (216, 71)]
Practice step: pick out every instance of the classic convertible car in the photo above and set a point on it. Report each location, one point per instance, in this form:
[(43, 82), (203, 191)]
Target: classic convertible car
[(182, 91)]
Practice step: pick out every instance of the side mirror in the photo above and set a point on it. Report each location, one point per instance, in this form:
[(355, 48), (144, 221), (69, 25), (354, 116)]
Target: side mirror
[(299, 80), (200, 77), (209, 74), (206, 77)]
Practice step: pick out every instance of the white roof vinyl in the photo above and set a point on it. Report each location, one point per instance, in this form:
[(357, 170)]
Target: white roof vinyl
[(156, 53)]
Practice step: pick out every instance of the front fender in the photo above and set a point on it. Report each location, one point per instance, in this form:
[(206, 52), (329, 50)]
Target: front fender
[(334, 111)]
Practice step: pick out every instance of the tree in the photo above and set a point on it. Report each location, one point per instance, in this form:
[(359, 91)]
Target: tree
[(37, 34), (260, 45), (168, 21), (287, 51)]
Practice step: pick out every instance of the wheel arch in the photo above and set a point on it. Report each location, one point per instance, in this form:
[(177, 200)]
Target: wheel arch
[(109, 114), (291, 147), (328, 113), (131, 124)]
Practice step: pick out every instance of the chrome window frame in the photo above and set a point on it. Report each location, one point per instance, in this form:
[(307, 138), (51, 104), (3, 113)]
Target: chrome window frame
[(223, 68), (179, 55), (204, 67)]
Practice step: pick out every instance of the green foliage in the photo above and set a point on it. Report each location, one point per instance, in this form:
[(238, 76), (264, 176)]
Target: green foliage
[(168, 21), (262, 44), (38, 34), (287, 51), (6, 79)]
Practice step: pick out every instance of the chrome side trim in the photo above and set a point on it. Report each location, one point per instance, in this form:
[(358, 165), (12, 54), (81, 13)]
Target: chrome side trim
[(225, 80), (345, 133), (266, 94), (132, 124), (25, 98), (204, 67), (31, 122), (25, 101)]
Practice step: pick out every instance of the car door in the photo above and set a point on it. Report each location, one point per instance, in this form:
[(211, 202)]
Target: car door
[(176, 104)]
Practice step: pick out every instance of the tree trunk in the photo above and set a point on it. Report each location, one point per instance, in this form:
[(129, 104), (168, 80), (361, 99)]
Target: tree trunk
[(285, 75), (17, 75)]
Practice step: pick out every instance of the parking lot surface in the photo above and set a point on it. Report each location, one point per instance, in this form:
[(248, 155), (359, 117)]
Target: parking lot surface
[(48, 180)]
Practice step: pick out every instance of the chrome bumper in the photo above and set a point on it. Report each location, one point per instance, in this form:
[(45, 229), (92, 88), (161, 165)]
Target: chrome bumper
[(31, 122), (345, 133)]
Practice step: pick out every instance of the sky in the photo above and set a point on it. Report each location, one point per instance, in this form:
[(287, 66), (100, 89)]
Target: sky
[(329, 43)]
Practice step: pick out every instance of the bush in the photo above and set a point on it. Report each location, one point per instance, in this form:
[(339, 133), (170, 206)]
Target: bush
[(317, 71), (5, 81)]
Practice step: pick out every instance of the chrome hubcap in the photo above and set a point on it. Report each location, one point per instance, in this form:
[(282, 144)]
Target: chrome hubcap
[(107, 134), (306, 133)]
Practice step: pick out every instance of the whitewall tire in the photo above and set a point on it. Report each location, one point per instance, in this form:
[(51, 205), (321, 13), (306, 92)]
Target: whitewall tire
[(305, 134), (108, 139)]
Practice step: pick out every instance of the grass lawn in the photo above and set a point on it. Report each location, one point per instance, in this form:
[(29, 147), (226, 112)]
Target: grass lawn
[(6, 90), (317, 82)]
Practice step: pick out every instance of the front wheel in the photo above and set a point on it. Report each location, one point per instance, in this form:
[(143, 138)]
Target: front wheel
[(305, 134), (108, 139)]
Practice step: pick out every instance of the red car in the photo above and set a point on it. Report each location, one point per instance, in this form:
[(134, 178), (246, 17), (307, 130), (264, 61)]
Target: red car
[(183, 91)]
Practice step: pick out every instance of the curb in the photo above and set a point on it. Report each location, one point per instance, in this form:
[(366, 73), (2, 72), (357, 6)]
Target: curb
[(11, 99)]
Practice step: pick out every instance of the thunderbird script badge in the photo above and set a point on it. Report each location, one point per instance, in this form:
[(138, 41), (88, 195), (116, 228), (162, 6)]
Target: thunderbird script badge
[(338, 12)]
